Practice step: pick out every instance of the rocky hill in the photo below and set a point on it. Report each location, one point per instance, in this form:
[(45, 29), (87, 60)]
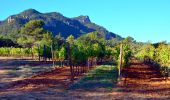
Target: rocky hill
[(54, 22)]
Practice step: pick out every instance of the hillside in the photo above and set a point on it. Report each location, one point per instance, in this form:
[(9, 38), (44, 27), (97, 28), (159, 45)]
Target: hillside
[(54, 22)]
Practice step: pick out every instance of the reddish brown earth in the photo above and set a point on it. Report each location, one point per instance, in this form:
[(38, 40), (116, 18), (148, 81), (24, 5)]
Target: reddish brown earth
[(47, 85), (144, 81), (141, 82)]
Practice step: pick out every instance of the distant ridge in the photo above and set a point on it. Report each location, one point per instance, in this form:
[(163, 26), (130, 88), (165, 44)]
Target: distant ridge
[(54, 22)]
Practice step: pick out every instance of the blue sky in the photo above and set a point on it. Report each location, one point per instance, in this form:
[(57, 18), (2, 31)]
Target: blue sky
[(145, 20)]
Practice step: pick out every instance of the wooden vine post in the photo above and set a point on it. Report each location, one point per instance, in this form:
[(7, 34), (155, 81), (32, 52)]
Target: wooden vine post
[(120, 61)]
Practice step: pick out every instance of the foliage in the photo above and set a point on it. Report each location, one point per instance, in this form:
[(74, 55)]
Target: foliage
[(16, 52), (70, 39), (33, 34), (126, 54), (126, 51), (62, 53), (147, 51), (159, 53), (162, 54)]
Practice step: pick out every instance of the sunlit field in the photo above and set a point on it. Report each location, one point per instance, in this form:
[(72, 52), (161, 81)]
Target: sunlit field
[(85, 50)]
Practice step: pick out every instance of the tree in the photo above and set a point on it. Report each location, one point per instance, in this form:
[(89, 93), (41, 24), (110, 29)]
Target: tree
[(129, 39), (32, 33)]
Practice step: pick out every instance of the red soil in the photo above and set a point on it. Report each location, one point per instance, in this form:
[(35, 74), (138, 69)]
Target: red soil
[(141, 81)]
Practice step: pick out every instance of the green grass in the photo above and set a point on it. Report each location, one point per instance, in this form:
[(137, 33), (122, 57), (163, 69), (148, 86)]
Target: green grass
[(104, 76)]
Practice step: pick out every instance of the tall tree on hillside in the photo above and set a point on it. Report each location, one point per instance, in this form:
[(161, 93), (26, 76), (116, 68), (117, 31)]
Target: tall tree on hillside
[(32, 33)]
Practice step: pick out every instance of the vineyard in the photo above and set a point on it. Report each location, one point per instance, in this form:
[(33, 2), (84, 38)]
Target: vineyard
[(88, 62), (157, 55)]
